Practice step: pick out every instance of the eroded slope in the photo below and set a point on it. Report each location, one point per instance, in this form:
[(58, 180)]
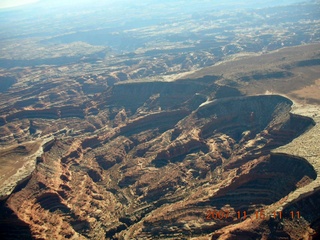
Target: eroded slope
[(156, 175), (152, 160)]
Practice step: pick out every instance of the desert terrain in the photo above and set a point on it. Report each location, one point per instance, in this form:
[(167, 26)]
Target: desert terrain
[(172, 126)]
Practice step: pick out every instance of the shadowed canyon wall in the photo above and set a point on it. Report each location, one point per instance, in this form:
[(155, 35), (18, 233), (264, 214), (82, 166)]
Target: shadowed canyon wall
[(158, 164)]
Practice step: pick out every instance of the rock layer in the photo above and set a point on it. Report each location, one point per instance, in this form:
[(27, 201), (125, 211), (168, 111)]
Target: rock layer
[(158, 166)]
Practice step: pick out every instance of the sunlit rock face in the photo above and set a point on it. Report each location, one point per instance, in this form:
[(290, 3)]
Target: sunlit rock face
[(161, 161), (159, 119)]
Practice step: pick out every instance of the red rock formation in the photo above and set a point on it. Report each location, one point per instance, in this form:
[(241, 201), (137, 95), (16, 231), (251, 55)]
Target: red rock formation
[(156, 174)]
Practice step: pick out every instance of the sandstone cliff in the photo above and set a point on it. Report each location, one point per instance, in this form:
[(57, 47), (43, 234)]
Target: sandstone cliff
[(155, 163)]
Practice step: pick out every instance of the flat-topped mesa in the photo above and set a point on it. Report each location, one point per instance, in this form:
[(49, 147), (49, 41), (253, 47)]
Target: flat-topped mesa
[(51, 113), (41, 113), (115, 106), (270, 180), (167, 95), (183, 157), (162, 121), (233, 116), (259, 109)]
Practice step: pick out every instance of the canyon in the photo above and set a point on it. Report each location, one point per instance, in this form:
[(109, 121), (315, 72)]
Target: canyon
[(172, 120), (149, 160)]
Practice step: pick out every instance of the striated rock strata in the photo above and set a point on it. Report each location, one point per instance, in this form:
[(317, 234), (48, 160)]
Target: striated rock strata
[(154, 163)]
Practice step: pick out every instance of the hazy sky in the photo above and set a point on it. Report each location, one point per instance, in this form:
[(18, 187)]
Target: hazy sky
[(15, 3)]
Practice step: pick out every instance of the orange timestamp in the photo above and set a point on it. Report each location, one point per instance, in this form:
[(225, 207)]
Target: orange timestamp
[(258, 214)]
